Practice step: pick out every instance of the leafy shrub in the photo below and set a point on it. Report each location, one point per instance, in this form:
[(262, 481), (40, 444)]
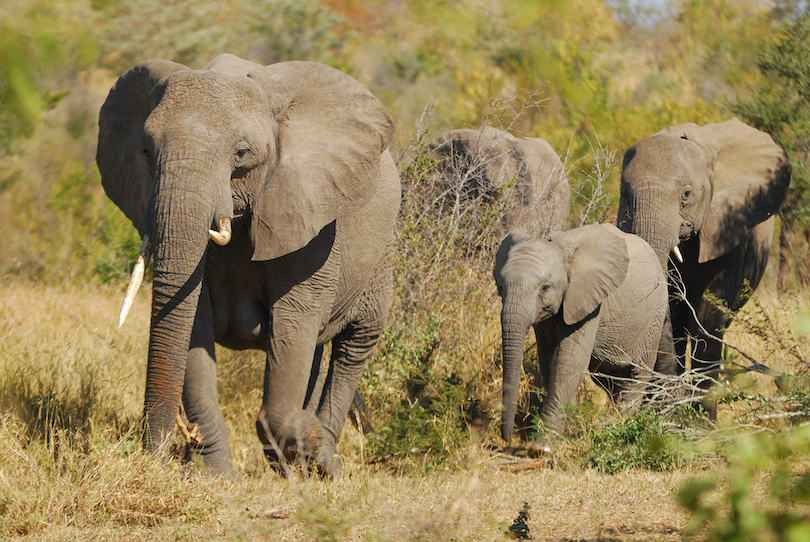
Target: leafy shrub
[(431, 409), (644, 440)]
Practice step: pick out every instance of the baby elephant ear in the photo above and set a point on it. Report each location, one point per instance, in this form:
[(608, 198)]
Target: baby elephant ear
[(126, 174), (751, 175), (331, 134), (598, 266)]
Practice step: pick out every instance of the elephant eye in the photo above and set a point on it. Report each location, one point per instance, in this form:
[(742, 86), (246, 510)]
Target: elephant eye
[(545, 288), (241, 152), (687, 193)]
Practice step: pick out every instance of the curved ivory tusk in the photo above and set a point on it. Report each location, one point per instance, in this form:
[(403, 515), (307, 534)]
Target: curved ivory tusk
[(223, 236), (677, 252), (136, 279)]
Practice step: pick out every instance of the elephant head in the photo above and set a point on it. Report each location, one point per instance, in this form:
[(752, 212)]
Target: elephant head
[(490, 161), (567, 275), (712, 183), (283, 150)]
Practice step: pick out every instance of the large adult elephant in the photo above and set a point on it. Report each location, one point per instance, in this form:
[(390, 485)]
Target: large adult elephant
[(596, 298), (705, 195), (488, 162), (288, 164)]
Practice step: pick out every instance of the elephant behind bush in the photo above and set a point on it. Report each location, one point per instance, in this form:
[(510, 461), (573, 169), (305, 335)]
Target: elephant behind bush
[(525, 174)]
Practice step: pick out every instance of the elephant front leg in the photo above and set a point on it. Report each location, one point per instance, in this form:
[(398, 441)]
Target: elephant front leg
[(568, 367), (707, 352), (283, 423), (200, 394), (350, 350)]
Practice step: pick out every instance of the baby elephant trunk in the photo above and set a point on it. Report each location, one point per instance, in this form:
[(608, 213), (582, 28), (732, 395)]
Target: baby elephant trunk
[(515, 323)]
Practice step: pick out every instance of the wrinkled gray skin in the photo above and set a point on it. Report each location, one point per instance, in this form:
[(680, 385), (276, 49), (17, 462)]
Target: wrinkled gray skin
[(489, 160), (597, 299), (712, 191), (296, 153)]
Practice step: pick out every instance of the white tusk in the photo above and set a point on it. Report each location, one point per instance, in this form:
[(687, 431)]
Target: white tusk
[(223, 236), (136, 279), (677, 252)]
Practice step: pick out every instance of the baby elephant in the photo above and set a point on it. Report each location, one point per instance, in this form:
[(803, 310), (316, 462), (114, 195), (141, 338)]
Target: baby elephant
[(597, 298)]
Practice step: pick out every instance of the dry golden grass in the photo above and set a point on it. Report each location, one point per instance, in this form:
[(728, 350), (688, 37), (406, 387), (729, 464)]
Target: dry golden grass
[(71, 467)]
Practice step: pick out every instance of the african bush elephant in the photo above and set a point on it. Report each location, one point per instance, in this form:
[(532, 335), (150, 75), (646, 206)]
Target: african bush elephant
[(596, 297), (290, 163), (707, 195), (487, 162)]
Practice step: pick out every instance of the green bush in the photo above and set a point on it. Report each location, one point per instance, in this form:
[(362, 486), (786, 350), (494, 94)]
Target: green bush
[(426, 410), (645, 440)]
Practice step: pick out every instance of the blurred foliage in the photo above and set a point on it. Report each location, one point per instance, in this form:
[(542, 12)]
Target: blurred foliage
[(41, 41), (193, 32), (764, 497)]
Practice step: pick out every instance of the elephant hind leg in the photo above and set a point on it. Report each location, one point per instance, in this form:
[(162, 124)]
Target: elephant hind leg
[(350, 350)]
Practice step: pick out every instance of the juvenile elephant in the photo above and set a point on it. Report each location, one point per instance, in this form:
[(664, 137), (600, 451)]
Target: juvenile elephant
[(289, 165), (489, 162), (706, 195), (597, 299)]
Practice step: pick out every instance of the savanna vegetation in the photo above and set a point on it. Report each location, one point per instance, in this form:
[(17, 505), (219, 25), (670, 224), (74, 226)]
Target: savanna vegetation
[(589, 76)]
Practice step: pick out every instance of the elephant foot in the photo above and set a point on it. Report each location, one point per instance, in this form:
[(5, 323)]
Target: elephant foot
[(218, 466), (539, 448), (327, 464), (300, 441)]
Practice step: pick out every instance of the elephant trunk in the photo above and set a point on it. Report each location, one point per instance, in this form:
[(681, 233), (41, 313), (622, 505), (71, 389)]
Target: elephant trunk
[(643, 215), (515, 322), (182, 213), (647, 216)]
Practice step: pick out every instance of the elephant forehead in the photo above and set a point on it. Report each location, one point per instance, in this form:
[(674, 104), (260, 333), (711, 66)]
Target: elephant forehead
[(205, 95), (664, 158), (536, 261)]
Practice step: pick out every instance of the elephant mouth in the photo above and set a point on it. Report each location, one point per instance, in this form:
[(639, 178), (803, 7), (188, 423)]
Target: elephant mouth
[(222, 237), (687, 230)]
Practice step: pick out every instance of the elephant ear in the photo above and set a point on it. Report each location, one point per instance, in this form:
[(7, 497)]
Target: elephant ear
[(598, 266), (126, 174), (750, 178), (331, 134)]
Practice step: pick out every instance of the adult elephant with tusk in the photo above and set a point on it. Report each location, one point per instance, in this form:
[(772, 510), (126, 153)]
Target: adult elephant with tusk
[(706, 195), (286, 169)]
